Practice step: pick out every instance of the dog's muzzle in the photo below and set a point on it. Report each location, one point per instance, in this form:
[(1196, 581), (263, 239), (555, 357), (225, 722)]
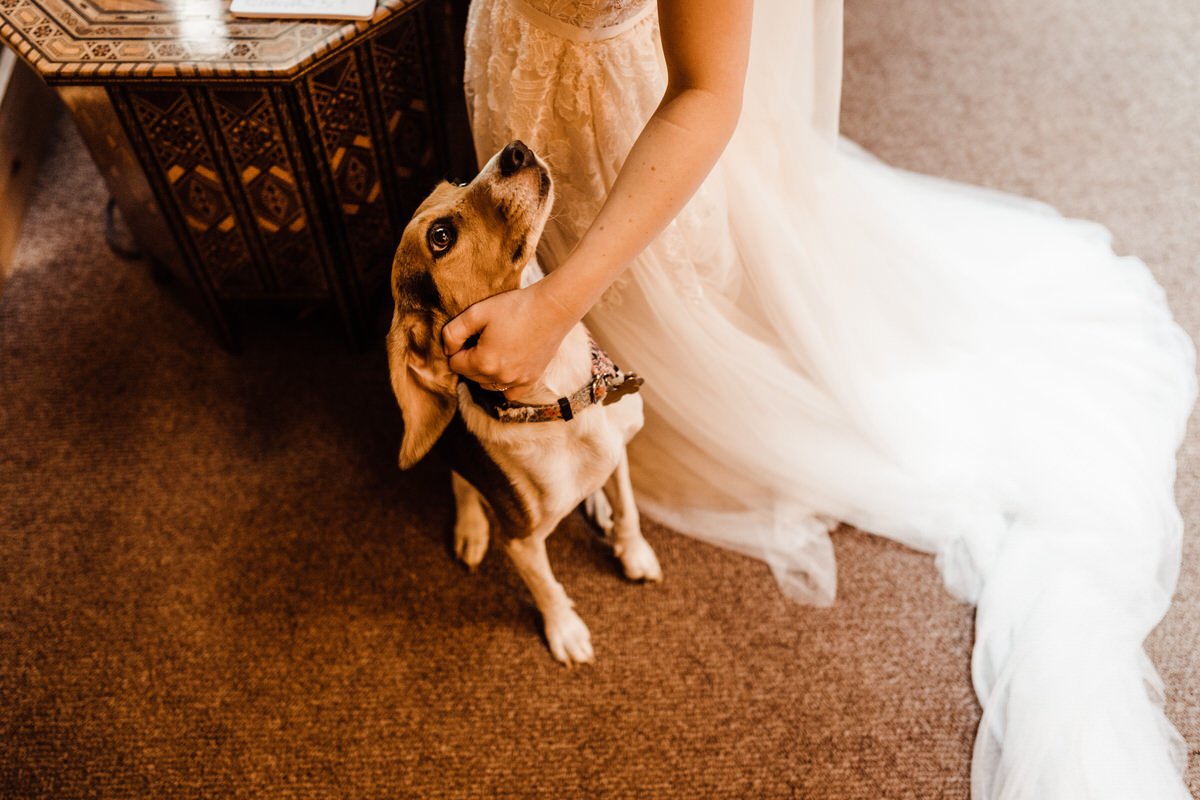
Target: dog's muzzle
[(515, 156)]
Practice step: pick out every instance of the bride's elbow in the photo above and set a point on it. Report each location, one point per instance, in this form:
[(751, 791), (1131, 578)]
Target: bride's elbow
[(716, 110)]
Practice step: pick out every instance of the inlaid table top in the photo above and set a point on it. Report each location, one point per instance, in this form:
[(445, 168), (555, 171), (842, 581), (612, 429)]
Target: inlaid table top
[(105, 41)]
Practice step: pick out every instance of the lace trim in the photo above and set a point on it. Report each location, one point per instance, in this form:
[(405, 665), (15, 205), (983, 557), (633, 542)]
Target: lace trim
[(575, 33)]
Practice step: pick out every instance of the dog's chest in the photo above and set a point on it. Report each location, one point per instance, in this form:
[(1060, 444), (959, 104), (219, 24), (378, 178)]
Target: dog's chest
[(575, 461), (553, 466)]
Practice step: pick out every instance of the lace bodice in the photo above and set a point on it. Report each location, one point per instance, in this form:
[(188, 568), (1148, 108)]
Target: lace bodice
[(590, 14), (575, 80)]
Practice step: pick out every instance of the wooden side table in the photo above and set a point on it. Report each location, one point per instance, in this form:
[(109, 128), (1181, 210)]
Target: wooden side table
[(260, 159)]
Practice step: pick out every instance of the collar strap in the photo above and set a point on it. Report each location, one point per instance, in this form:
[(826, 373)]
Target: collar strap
[(608, 385)]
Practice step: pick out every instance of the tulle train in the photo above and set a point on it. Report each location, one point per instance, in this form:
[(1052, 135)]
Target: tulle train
[(826, 338)]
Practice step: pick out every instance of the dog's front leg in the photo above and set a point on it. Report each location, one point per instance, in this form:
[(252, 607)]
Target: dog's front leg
[(470, 522), (635, 553), (567, 635)]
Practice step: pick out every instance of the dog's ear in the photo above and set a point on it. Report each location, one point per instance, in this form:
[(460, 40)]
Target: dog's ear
[(423, 382)]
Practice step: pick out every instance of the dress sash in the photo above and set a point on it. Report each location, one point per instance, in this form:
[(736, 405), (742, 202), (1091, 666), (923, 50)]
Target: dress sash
[(575, 33)]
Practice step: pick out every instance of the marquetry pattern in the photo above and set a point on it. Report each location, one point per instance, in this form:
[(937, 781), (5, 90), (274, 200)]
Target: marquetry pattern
[(408, 124), (101, 40), (169, 125), (249, 204), (294, 181), (253, 131), (338, 100)]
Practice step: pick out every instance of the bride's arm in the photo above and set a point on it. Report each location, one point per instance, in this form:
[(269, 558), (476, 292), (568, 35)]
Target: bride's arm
[(706, 44)]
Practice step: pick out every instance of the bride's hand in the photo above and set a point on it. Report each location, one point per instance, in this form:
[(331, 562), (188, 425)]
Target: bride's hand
[(518, 333)]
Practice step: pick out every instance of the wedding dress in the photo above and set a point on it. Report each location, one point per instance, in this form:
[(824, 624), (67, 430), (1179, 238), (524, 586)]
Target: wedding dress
[(825, 338)]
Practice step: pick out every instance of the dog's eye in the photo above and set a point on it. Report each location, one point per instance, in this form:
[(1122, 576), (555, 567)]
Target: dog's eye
[(441, 237)]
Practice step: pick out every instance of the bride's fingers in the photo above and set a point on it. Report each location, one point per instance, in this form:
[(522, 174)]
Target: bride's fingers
[(458, 332), (479, 364), (467, 364)]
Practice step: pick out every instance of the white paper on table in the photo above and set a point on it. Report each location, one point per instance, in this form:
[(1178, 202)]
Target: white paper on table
[(305, 9)]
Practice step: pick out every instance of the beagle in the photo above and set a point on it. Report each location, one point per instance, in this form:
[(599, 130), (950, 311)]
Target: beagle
[(520, 463)]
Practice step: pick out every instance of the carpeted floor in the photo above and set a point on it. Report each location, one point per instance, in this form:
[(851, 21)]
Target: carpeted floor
[(214, 582)]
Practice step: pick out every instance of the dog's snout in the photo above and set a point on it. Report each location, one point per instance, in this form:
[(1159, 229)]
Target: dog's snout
[(513, 157)]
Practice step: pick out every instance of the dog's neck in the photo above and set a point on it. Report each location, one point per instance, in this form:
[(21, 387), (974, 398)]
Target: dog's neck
[(570, 368)]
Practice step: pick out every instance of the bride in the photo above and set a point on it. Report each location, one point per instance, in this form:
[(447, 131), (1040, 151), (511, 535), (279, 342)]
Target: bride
[(826, 339)]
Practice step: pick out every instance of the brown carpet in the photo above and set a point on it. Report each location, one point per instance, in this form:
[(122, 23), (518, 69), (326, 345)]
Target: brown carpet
[(214, 582)]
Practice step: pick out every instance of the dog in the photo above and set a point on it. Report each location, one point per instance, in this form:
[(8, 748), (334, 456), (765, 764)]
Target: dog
[(520, 464)]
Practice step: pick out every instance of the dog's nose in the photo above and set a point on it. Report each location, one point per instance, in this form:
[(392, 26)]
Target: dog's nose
[(514, 156)]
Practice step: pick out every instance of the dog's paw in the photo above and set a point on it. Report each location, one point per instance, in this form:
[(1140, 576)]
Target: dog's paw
[(569, 639), (638, 559), (471, 541), (600, 512)]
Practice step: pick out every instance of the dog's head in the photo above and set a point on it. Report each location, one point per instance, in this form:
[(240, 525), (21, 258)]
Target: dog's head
[(464, 243)]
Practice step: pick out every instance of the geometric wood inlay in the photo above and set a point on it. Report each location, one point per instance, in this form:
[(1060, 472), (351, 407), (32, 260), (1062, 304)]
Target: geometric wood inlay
[(81, 41)]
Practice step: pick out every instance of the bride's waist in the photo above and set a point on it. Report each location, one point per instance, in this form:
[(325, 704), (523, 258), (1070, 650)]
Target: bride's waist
[(581, 29)]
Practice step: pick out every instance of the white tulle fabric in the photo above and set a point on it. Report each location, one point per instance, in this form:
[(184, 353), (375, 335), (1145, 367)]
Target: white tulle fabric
[(828, 339)]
